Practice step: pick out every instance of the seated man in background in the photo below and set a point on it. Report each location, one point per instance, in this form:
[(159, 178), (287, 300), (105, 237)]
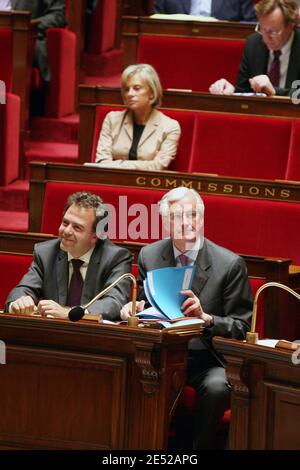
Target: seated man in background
[(46, 14), (72, 269), (270, 62), (231, 10), (220, 295), (141, 137)]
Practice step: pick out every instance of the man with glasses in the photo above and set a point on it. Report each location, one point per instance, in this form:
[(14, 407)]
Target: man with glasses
[(270, 62), (220, 295)]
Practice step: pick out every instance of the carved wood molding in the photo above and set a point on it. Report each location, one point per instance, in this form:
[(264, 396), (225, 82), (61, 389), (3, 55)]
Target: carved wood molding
[(150, 374), (238, 376)]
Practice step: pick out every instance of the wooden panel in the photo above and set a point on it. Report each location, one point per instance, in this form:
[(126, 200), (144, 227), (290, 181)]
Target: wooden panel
[(88, 386), (268, 383), (72, 392)]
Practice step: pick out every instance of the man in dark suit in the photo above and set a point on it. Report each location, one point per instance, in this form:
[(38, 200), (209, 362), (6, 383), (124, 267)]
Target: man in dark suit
[(46, 288), (46, 14), (220, 295), (231, 10), (276, 40)]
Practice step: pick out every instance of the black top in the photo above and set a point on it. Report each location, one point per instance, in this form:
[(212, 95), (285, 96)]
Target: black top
[(137, 134)]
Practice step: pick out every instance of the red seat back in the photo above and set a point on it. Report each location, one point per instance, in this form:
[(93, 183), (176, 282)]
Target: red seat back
[(13, 267), (103, 27), (293, 166), (9, 139), (241, 146), (191, 63), (135, 209)]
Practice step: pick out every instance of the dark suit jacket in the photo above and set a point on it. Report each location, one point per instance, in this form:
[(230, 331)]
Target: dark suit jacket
[(255, 62), (51, 14), (232, 10), (220, 282), (47, 277)]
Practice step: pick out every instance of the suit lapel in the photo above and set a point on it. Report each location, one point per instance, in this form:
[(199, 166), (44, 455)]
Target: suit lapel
[(186, 6), (62, 275), (90, 279), (294, 61), (128, 125), (167, 256), (151, 126), (203, 264)]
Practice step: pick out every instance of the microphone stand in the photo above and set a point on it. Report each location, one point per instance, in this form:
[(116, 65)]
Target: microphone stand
[(252, 335), (76, 313)]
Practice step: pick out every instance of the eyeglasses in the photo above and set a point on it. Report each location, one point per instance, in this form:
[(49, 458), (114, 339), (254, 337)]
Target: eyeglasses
[(269, 32)]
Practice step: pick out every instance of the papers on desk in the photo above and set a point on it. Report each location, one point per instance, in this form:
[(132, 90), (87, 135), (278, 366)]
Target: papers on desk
[(162, 288), (250, 94), (183, 17), (279, 343)]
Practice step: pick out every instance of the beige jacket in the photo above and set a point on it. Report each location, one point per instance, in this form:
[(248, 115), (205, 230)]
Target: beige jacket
[(156, 149)]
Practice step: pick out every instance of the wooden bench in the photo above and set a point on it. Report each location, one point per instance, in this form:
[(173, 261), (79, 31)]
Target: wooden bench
[(16, 254)]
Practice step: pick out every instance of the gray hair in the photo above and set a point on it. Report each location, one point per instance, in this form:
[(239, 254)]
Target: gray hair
[(149, 76), (177, 194)]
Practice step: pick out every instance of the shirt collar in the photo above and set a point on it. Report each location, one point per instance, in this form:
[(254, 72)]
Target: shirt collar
[(85, 258), (192, 253), (287, 47)]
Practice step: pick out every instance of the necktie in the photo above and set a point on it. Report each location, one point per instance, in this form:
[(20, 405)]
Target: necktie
[(274, 71), (76, 284), (183, 259)]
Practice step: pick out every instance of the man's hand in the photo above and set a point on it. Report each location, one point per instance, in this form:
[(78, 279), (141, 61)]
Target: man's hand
[(127, 309), (49, 307), (191, 307), (222, 87), (262, 84), (23, 305)]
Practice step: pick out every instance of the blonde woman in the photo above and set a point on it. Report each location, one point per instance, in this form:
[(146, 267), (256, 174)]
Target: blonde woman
[(140, 137)]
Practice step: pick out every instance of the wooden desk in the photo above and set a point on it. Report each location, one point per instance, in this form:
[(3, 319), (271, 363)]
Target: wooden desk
[(86, 385), (265, 396)]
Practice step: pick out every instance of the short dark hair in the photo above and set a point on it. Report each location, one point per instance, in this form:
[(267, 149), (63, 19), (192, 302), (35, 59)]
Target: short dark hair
[(88, 201)]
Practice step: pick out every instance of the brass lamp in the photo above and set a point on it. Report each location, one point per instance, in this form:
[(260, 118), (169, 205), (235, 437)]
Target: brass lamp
[(252, 335)]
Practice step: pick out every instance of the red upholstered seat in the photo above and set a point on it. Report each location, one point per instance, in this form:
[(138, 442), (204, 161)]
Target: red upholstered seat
[(293, 166), (191, 63), (241, 146), (132, 211), (9, 139), (12, 267), (60, 95), (103, 27), (256, 227), (186, 120)]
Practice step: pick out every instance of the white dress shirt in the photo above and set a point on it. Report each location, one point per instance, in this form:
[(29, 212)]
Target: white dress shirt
[(5, 5), (284, 60), (200, 7)]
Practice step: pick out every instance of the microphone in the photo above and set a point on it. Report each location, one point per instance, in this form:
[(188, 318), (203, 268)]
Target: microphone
[(76, 313), (252, 335)]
